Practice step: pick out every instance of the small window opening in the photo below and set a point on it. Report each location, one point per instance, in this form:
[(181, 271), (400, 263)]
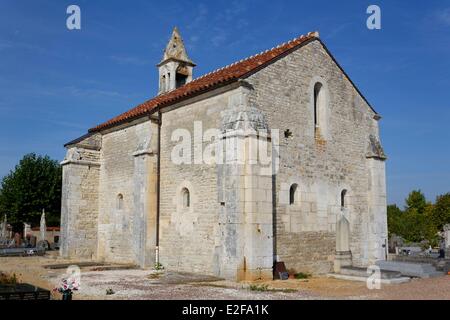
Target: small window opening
[(343, 193), (186, 198), (317, 91), (181, 75), (292, 194), (163, 83), (119, 204), (180, 79)]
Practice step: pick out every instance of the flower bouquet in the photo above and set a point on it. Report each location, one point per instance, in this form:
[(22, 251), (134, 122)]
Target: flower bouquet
[(66, 288)]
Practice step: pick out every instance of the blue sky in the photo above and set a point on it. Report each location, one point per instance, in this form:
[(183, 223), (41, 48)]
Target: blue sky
[(56, 83)]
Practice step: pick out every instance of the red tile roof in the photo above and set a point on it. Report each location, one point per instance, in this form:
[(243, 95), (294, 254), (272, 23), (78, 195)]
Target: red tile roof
[(225, 75)]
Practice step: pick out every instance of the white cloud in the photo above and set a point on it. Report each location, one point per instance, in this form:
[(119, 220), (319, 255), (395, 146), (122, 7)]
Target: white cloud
[(21, 45), (220, 36), (5, 45), (129, 60), (443, 16), (80, 92)]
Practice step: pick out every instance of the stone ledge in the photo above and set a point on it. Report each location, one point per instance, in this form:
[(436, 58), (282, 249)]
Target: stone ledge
[(148, 152), (80, 162)]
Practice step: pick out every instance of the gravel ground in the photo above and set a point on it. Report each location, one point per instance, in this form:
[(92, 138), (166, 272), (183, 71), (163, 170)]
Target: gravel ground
[(150, 284)]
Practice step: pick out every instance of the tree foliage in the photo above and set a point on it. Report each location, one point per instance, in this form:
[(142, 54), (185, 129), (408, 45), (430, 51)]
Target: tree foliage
[(33, 185), (416, 201), (395, 217), (441, 213), (420, 220)]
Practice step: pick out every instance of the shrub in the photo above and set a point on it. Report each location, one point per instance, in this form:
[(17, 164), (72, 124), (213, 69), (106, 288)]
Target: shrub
[(256, 287), (7, 279), (159, 266), (109, 291), (302, 275)]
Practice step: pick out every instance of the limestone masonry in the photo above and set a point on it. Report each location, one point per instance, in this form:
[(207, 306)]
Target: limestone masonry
[(317, 202)]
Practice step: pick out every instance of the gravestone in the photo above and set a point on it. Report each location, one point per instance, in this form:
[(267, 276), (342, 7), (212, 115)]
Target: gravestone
[(26, 229), (33, 241), (23, 291), (3, 230), (447, 240), (419, 270), (395, 242), (42, 227), (343, 255), (17, 239)]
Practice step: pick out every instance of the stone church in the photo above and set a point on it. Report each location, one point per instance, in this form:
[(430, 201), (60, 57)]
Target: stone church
[(140, 188)]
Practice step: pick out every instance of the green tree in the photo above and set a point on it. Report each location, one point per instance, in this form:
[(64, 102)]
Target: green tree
[(33, 185), (416, 222), (416, 200), (441, 212), (420, 220), (413, 225), (413, 221), (429, 225), (394, 220)]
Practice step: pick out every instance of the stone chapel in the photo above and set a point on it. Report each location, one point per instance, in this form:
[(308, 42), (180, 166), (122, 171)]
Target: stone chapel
[(131, 194)]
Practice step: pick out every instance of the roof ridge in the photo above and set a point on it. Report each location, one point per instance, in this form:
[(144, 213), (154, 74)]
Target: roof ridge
[(253, 56), (210, 80)]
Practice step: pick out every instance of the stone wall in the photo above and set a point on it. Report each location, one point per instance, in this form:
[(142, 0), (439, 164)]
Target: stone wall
[(127, 172), (322, 165), (79, 210), (245, 180), (238, 221), (227, 229), (189, 237)]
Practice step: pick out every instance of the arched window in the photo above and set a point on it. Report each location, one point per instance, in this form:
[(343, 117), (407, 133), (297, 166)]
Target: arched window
[(186, 197), (119, 204), (343, 193), (292, 194), (163, 84), (320, 110), (320, 101), (181, 76)]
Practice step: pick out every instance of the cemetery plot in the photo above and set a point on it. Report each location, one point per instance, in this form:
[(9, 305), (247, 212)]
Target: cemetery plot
[(23, 291)]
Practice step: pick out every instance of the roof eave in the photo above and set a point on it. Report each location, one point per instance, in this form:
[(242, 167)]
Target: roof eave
[(164, 105), (79, 139)]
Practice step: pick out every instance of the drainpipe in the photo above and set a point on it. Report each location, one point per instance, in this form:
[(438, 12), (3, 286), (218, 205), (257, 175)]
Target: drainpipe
[(158, 183)]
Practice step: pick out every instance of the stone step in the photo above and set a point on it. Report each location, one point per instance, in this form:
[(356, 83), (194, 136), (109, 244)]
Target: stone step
[(440, 264), (420, 270), (395, 280), (414, 259), (362, 272), (18, 252)]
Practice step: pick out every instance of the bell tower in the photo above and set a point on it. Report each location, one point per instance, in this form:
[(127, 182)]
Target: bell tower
[(175, 68)]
